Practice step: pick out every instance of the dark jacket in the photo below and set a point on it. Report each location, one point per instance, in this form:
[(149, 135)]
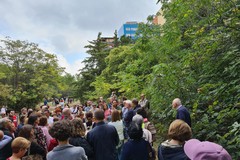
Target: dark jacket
[(128, 118), (183, 114), (135, 109), (167, 152), (135, 150), (37, 149), (103, 138), (82, 142)]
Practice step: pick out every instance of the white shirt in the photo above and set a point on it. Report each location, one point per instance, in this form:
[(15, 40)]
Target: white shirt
[(147, 135), (50, 120), (119, 127)]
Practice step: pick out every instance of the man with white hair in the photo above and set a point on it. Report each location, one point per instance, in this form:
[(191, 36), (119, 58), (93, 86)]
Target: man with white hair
[(182, 112), (127, 106), (127, 114)]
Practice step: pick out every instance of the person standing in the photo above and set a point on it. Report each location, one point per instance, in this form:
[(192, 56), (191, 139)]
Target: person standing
[(78, 137), (62, 131), (103, 138), (27, 131), (66, 114), (182, 112), (128, 114), (118, 124), (20, 146), (5, 125), (172, 149), (136, 148), (38, 132), (144, 103), (45, 102)]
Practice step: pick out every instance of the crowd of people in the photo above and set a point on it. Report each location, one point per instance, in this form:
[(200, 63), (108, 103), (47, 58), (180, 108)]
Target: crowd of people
[(113, 130)]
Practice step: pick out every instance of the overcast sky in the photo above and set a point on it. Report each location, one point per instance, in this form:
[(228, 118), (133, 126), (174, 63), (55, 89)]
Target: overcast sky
[(64, 27)]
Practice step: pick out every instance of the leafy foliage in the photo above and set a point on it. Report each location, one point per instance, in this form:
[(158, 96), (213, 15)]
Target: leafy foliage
[(28, 74), (195, 56), (93, 67)]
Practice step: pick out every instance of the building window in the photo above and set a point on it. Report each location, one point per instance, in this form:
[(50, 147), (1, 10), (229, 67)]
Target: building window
[(133, 29)]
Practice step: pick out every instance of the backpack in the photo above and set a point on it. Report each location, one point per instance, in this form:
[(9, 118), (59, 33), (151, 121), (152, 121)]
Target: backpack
[(149, 126), (151, 152)]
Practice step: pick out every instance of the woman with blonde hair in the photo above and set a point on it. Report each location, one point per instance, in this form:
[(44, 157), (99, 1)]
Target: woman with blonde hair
[(20, 146), (172, 149)]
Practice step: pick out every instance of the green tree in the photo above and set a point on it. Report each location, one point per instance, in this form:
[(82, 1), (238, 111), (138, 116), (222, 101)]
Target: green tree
[(193, 56), (67, 85), (116, 40), (32, 73), (93, 67), (125, 40)]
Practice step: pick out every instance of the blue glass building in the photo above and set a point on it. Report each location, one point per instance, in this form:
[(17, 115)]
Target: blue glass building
[(128, 29)]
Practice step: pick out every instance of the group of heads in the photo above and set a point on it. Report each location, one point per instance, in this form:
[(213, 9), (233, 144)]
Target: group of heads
[(7, 124), (21, 144), (193, 148), (181, 132), (64, 129)]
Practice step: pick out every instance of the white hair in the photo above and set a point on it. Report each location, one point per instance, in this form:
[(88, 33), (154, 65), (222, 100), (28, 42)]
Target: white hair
[(177, 101), (128, 102), (138, 119)]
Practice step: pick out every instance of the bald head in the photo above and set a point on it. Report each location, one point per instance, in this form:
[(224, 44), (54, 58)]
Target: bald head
[(176, 102), (66, 113)]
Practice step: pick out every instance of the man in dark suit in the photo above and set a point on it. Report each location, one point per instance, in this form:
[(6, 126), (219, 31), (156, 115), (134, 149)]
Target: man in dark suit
[(182, 112), (103, 138)]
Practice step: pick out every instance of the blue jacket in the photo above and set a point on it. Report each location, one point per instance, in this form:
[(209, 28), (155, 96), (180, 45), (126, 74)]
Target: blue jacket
[(135, 150), (183, 114), (103, 138), (170, 153), (6, 151), (128, 117), (67, 152)]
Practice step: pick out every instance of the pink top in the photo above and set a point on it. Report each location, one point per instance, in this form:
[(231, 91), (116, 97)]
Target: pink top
[(46, 133)]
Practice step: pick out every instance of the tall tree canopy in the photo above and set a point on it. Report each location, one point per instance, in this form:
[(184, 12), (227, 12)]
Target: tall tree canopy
[(94, 64), (28, 74)]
